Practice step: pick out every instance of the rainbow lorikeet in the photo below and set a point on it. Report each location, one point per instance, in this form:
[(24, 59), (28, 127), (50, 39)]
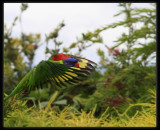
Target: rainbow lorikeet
[(59, 69)]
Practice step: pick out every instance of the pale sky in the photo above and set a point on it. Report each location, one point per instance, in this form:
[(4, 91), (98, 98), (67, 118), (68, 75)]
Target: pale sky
[(78, 17)]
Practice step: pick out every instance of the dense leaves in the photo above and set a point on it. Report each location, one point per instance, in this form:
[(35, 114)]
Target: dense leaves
[(129, 69)]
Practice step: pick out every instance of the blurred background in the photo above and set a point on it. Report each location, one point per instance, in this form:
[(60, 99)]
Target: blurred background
[(119, 37), (78, 17)]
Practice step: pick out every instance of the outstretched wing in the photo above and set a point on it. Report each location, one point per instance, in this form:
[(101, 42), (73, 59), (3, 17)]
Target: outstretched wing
[(53, 73), (59, 74)]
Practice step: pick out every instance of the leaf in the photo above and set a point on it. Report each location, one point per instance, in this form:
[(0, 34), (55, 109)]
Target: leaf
[(51, 100), (60, 102), (73, 45), (24, 6), (44, 104)]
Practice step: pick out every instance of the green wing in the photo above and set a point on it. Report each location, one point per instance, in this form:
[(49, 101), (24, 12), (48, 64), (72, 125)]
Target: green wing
[(53, 72)]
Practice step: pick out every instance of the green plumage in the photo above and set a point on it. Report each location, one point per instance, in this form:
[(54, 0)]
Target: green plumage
[(53, 72)]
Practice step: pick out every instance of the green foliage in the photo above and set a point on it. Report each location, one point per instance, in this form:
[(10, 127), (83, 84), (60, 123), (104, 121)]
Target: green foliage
[(18, 54), (122, 95), (40, 98), (53, 36), (24, 7), (129, 72), (85, 41), (40, 94), (71, 117)]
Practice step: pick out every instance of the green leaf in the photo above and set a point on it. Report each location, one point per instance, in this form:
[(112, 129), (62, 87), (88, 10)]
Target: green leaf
[(60, 102), (43, 104)]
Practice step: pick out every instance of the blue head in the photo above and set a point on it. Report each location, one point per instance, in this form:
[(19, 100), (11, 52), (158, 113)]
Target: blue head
[(70, 62)]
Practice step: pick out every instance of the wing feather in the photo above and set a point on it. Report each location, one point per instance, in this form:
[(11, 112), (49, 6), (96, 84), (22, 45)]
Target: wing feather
[(57, 74)]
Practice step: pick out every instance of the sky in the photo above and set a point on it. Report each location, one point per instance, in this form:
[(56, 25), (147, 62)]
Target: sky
[(79, 18)]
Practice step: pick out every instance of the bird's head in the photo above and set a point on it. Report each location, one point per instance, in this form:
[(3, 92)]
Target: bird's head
[(70, 62)]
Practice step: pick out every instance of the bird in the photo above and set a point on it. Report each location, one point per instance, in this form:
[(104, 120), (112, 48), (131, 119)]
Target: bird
[(59, 70)]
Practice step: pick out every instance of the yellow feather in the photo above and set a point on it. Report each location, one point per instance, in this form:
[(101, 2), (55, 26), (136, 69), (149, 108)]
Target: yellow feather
[(85, 61), (61, 78), (57, 80), (68, 76), (70, 69), (64, 77), (75, 68), (73, 74), (82, 64)]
